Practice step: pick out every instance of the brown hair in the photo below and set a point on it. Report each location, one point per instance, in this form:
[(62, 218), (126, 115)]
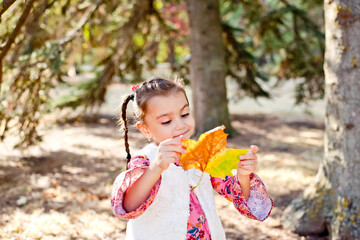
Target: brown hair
[(141, 95)]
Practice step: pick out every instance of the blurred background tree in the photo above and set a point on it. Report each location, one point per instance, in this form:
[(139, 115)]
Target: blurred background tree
[(43, 42)]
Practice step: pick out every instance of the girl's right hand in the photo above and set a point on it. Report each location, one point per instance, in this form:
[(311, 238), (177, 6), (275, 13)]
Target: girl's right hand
[(169, 151)]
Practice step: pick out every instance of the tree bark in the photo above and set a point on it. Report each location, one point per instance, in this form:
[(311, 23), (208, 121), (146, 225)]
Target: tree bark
[(333, 203), (207, 66)]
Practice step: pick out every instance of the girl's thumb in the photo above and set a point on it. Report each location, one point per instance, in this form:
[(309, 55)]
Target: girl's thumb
[(254, 149)]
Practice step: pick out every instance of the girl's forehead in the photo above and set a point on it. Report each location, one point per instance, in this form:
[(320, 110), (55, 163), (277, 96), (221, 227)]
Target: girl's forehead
[(164, 103)]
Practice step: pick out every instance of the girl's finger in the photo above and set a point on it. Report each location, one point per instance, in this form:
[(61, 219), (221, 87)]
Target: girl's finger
[(178, 149), (244, 172), (248, 156), (173, 141), (248, 166), (254, 148), (247, 169), (174, 148), (171, 154), (248, 161), (170, 158)]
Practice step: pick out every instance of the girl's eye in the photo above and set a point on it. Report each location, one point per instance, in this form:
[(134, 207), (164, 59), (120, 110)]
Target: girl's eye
[(166, 123), (185, 115)]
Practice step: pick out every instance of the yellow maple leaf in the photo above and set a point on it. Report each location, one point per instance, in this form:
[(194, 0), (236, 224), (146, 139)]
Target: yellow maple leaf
[(198, 153), (209, 154)]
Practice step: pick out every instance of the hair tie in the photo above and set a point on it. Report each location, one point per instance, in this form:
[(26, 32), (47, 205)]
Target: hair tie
[(135, 87)]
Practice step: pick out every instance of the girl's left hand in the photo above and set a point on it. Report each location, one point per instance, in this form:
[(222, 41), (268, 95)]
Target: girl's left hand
[(248, 162)]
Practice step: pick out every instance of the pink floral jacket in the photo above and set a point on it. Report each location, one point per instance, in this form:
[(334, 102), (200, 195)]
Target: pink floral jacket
[(258, 206)]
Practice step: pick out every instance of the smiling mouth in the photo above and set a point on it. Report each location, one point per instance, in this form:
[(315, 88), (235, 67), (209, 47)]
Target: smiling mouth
[(181, 134)]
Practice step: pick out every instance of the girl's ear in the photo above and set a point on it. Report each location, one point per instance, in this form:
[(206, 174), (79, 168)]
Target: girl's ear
[(144, 130)]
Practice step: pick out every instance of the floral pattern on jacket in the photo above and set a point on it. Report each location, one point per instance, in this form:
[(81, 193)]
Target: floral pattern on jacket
[(258, 206)]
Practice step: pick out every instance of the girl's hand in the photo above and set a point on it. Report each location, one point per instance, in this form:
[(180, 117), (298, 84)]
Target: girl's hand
[(248, 162), (169, 151)]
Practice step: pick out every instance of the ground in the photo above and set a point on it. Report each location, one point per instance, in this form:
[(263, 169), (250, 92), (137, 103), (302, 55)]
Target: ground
[(61, 189)]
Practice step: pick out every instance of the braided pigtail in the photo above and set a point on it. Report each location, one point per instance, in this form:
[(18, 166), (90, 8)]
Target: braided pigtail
[(125, 126)]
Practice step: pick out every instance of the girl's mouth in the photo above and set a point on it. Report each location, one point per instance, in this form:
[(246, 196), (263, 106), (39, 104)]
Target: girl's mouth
[(182, 134)]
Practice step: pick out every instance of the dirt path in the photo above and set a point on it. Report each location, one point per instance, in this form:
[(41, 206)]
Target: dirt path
[(61, 189)]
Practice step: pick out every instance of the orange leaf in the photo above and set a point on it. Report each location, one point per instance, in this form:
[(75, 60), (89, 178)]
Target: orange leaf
[(200, 152)]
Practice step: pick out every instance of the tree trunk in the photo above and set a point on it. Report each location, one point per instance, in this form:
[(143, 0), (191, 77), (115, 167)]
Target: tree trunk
[(333, 204), (207, 66)]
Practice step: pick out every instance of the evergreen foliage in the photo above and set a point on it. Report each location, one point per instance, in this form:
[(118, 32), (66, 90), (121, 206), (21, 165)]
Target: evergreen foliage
[(123, 40)]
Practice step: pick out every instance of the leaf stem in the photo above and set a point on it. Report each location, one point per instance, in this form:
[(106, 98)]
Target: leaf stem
[(192, 188)]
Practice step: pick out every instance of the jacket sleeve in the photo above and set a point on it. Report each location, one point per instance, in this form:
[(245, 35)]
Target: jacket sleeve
[(259, 204), (124, 181)]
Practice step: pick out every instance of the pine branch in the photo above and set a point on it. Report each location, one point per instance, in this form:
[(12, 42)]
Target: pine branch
[(237, 46), (13, 35), (95, 94), (16, 31), (303, 15), (85, 18), (166, 27), (243, 59), (31, 28), (5, 5), (141, 9)]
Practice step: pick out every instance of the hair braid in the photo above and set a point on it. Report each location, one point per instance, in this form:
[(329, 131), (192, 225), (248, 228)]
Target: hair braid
[(124, 120)]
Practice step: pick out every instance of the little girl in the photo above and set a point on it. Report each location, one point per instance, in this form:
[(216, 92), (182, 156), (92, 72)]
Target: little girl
[(157, 195)]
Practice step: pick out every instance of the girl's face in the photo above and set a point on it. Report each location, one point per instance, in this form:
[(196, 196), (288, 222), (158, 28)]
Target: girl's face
[(167, 117)]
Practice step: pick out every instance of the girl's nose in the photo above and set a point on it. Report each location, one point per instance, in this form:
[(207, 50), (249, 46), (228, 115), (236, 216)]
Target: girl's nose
[(180, 124)]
